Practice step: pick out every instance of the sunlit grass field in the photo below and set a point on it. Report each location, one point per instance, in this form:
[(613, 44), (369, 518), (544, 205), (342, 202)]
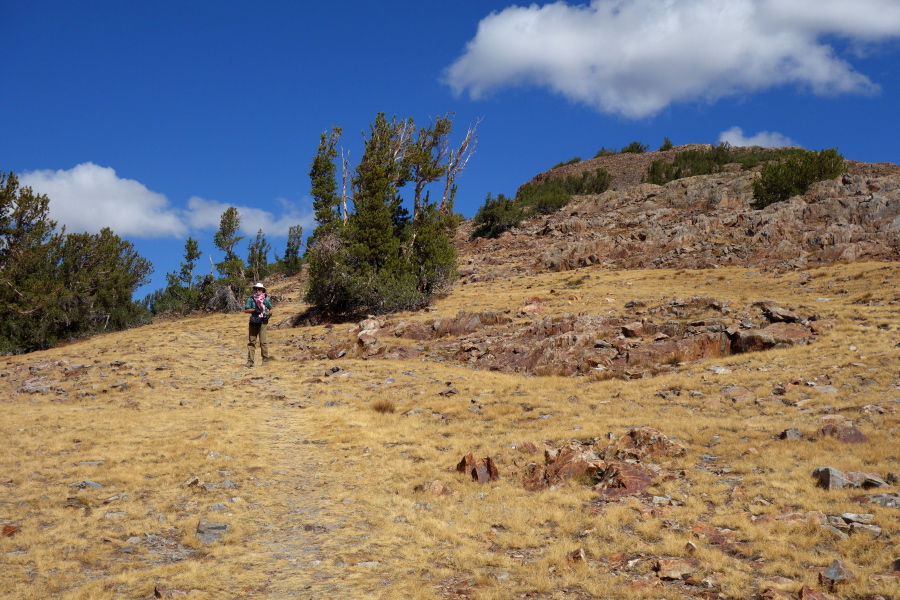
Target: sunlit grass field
[(343, 485)]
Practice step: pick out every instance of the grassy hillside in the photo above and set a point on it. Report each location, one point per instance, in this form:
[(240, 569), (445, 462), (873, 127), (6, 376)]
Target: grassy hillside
[(336, 478)]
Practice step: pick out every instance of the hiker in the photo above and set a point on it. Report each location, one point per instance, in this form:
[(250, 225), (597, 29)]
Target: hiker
[(260, 309)]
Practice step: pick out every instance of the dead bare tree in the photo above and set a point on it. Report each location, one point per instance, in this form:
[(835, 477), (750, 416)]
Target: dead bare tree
[(345, 178), (456, 163)]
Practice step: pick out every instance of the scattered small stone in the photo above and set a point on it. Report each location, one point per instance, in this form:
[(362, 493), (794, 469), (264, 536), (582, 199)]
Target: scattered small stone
[(675, 568), (886, 500), (837, 572), (86, 484), (790, 434), (209, 532)]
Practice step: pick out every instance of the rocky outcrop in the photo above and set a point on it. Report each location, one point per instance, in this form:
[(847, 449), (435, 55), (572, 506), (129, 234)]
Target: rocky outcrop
[(701, 222)]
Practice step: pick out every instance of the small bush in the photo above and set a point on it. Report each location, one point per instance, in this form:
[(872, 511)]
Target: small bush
[(782, 180), (634, 148), (544, 197), (604, 151), (496, 216), (571, 161), (691, 163), (667, 145)]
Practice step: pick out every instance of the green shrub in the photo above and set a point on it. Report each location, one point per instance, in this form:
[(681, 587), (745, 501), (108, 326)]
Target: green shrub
[(544, 197), (634, 148), (604, 151), (496, 216), (792, 177), (667, 145), (571, 161), (691, 163)]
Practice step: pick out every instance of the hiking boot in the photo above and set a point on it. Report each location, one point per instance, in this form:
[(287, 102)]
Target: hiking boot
[(249, 364), (268, 359)]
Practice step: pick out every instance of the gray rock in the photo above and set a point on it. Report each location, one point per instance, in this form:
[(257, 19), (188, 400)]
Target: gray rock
[(86, 484), (790, 434), (831, 478), (209, 532)]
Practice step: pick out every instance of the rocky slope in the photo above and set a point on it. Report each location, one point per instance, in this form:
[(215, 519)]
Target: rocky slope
[(697, 222)]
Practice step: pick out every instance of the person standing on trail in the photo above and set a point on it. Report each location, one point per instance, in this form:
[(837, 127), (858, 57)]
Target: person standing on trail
[(260, 309)]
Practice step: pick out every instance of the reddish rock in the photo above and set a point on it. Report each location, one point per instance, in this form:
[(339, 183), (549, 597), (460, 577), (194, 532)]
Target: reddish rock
[(10, 530), (776, 594), (624, 478), (642, 442), (714, 535), (578, 556), (777, 335), (633, 330), (808, 593), (435, 487), (482, 470), (527, 448), (563, 464), (675, 568), (844, 433)]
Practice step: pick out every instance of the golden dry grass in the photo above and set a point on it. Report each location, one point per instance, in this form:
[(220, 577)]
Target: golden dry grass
[(327, 468)]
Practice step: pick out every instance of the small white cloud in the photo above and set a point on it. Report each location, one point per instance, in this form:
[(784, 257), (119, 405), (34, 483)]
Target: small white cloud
[(766, 139), (636, 57), (206, 214), (89, 197)]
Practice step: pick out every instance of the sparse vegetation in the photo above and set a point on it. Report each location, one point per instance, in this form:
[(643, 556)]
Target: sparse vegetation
[(571, 161), (635, 148), (690, 163), (667, 145), (502, 213), (792, 177)]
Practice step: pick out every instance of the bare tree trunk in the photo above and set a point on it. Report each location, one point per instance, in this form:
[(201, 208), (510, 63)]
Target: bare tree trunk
[(457, 162), (345, 177)]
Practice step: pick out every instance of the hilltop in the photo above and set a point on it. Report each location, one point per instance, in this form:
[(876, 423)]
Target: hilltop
[(655, 392)]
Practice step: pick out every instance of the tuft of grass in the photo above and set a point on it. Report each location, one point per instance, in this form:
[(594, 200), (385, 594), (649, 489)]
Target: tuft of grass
[(384, 406)]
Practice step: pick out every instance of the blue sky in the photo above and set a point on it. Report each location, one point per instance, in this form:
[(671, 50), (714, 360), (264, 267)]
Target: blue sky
[(153, 118)]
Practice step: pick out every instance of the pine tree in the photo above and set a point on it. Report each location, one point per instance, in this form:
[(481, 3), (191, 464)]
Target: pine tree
[(225, 239), (292, 261), (382, 259), (324, 190), (191, 254), (258, 258), (55, 285)]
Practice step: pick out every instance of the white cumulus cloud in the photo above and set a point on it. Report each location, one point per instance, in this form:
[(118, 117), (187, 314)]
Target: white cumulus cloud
[(767, 139), (89, 197), (636, 57)]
